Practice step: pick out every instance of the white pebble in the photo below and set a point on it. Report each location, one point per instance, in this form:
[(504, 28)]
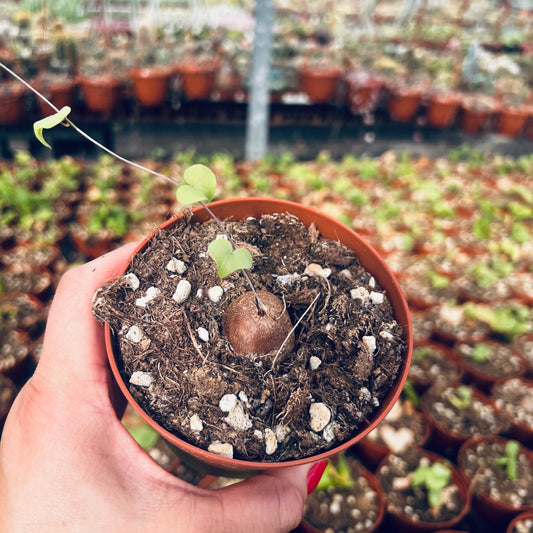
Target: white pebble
[(132, 281), (151, 293), (227, 402), (183, 289), (215, 293), (314, 362), (271, 443), (360, 293), (370, 342), (134, 334), (258, 434), (329, 433), (287, 279), (372, 283), (224, 449), (282, 432), (386, 335), (203, 334), (376, 298), (196, 423), (243, 397), (314, 269), (320, 416), (142, 379), (176, 265), (238, 419), (199, 293)]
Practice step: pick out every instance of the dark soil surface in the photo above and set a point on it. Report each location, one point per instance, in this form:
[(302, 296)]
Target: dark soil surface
[(478, 462), (514, 397), (183, 372), (340, 510), (402, 498)]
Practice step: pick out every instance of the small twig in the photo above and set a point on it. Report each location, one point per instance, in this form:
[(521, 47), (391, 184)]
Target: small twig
[(194, 342), (292, 330)]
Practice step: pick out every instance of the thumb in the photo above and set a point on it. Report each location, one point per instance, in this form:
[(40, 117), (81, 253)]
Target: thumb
[(269, 502)]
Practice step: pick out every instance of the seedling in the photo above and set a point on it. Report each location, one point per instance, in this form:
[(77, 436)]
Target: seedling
[(268, 324), (508, 462), (480, 353), (410, 393), (435, 479), (339, 476), (462, 397)]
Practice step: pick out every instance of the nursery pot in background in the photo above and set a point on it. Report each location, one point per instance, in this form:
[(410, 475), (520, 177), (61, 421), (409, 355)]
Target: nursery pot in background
[(150, 85), (198, 79), (101, 93), (442, 110), (12, 106), (320, 84), (60, 93), (512, 121), (403, 103), (329, 228)]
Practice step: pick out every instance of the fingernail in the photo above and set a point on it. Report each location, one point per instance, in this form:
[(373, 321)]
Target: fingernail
[(314, 475)]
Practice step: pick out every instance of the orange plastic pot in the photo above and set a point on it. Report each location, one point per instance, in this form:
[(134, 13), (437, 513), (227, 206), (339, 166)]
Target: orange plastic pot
[(511, 122), (198, 79), (442, 110), (403, 103), (474, 122), (61, 94), (150, 85), (320, 85), (491, 510), (329, 228), (101, 93), (12, 106)]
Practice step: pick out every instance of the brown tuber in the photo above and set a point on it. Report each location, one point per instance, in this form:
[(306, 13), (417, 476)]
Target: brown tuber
[(250, 332)]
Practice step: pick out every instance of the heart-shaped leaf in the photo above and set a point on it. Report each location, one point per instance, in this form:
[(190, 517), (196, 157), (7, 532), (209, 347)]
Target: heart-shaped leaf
[(50, 122), (227, 259), (202, 185)]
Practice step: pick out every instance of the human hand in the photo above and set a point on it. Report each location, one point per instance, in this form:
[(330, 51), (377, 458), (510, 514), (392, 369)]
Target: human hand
[(67, 462)]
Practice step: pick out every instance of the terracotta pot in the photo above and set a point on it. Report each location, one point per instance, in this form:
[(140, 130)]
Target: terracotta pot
[(474, 121), (101, 93), (329, 228), (12, 106), (320, 85), (491, 510), (403, 103), (522, 517), (150, 85), (60, 93), (404, 524), (364, 91), (198, 79), (307, 527), (442, 110), (512, 121)]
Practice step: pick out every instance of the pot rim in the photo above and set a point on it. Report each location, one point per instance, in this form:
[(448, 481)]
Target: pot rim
[(331, 229)]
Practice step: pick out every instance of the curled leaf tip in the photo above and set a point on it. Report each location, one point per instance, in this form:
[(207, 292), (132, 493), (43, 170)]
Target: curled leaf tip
[(50, 122)]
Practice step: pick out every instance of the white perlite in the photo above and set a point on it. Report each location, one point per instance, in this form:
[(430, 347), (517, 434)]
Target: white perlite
[(320, 416), (131, 281), (370, 342), (227, 402), (176, 265), (224, 449), (314, 362), (329, 433), (151, 293), (196, 423), (142, 379), (203, 334), (359, 293), (183, 289), (287, 279), (314, 269), (238, 419), (215, 293), (386, 335), (271, 443), (134, 334), (376, 298)]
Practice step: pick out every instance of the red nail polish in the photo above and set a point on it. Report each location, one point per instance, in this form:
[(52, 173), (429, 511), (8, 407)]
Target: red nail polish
[(314, 475)]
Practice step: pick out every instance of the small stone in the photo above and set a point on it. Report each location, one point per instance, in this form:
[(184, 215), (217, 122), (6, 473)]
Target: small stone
[(215, 293), (386, 335), (287, 279), (224, 449), (282, 432), (376, 298), (359, 293), (372, 283), (258, 434), (314, 269), (329, 432), (183, 289), (203, 334), (199, 293), (271, 443), (243, 397), (131, 281), (370, 342), (176, 265), (238, 419), (196, 423), (227, 402), (134, 334), (151, 293), (314, 362), (142, 379), (320, 416)]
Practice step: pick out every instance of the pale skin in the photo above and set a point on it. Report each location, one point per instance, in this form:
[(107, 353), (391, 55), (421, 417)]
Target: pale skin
[(68, 464)]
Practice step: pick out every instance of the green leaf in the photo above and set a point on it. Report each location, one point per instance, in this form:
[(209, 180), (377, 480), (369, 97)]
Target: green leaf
[(227, 259), (144, 435), (202, 185), (50, 122)]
